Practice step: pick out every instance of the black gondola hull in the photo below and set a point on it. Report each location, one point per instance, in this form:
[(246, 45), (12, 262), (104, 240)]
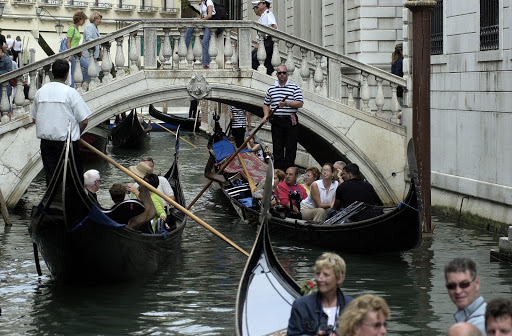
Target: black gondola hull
[(184, 123), (129, 133)]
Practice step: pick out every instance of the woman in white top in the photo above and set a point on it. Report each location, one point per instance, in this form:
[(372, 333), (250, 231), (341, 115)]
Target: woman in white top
[(207, 11), (16, 48), (321, 197)]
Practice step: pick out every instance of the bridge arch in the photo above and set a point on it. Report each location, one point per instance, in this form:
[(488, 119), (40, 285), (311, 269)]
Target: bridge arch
[(319, 134)]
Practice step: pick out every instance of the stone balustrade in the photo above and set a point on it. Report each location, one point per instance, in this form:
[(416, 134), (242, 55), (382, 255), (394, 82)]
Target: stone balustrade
[(314, 68)]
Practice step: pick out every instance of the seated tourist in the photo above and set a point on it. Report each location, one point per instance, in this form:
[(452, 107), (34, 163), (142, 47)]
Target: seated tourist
[(290, 193), (366, 315), (117, 193), (141, 170), (321, 197), (92, 184), (255, 148), (338, 167), (317, 313), (354, 188), (311, 175), (152, 180)]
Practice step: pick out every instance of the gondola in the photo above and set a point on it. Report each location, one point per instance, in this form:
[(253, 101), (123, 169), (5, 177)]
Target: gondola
[(184, 123), (80, 242), (266, 292), (386, 229), (129, 133), (96, 137)]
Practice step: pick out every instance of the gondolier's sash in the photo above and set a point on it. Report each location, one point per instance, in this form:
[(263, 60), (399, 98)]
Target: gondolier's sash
[(98, 217)]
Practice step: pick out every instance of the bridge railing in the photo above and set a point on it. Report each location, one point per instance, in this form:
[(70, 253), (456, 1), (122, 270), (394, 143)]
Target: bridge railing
[(317, 69)]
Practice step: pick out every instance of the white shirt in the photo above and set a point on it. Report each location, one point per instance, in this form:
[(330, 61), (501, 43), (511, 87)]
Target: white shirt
[(268, 19), (9, 42), (54, 105), (204, 8), (17, 45), (326, 195)]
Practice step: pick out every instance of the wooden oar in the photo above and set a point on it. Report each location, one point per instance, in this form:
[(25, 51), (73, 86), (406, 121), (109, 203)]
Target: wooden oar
[(234, 154), (168, 130), (197, 116), (252, 186), (165, 197)]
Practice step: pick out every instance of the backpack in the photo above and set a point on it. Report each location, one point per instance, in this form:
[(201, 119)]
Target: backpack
[(220, 12), (63, 42)]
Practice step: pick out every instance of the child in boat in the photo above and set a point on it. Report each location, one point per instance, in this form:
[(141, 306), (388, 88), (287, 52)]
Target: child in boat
[(152, 179)]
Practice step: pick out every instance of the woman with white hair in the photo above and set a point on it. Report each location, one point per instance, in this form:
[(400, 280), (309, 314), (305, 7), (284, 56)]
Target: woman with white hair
[(317, 313)]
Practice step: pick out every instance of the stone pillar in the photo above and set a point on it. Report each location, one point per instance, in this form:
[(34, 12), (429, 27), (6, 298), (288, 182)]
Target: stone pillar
[(421, 11)]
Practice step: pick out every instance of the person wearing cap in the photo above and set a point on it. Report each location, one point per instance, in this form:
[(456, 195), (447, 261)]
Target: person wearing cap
[(267, 18), (144, 167)]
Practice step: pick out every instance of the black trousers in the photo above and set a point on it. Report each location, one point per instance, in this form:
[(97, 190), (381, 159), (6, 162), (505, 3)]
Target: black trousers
[(192, 109), (239, 134), (269, 48), (284, 141), (50, 154)]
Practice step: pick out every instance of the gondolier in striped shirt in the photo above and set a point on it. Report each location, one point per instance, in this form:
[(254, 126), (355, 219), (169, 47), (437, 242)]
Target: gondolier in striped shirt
[(285, 123), (240, 121)]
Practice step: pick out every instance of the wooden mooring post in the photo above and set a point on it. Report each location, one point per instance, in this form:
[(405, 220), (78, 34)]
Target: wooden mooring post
[(421, 11)]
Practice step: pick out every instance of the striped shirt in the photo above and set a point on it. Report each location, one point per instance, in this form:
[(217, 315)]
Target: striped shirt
[(276, 93), (239, 120)]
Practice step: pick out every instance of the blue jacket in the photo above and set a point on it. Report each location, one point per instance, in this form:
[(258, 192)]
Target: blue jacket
[(307, 316), (5, 64)]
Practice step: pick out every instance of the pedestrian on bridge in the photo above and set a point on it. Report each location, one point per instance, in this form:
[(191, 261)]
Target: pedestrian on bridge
[(285, 122), (267, 18), (55, 105)]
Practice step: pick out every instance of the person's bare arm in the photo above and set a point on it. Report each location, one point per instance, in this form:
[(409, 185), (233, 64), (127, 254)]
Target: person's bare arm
[(83, 124), (266, 112)]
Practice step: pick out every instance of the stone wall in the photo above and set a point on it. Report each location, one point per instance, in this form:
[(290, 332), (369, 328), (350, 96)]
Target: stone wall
[(471, 110)]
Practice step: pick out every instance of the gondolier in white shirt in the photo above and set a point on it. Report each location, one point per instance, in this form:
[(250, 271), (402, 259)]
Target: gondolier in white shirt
[(267, 18)]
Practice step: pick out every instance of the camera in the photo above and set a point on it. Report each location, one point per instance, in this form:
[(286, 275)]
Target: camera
[(330, 330)]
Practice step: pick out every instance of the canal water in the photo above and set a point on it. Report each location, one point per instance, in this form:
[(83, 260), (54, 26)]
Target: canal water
[(195, 294)]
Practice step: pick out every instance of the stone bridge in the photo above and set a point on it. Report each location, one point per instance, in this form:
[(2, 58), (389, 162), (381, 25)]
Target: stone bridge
[(348, 111)]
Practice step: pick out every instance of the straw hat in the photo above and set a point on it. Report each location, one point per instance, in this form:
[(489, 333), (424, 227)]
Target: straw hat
[(141, 169)]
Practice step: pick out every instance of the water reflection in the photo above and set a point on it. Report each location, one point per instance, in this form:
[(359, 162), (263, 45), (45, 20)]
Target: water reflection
[(196, 292)]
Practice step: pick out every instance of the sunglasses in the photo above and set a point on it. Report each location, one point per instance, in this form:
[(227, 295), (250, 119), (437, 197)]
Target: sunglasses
[(282, 72), (463, 285)]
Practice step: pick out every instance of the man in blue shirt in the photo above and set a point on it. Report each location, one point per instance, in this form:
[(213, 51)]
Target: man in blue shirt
[(463, 285)]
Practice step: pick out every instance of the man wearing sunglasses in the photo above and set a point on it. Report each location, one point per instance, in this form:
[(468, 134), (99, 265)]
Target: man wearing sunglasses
[(267, 18), (463, 285), (285, 123)]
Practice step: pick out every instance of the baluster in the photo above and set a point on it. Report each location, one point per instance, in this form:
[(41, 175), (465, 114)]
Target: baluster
[(228, 49), (4, 104), (234, 58), (190, 54), (395, 105), (365, 93), (304, 67), (161, 53), (319, 75), (379, 98), (78, 76), (350, 101), (290, 64), (92, 70), (198, 50), (133, 53), (261, 54), (33, 86), (182, 49), (119, 58), (175, 57), (311, 81), (106, 64), (276, 58), (212, 50), (167, 53), (19, 98)]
